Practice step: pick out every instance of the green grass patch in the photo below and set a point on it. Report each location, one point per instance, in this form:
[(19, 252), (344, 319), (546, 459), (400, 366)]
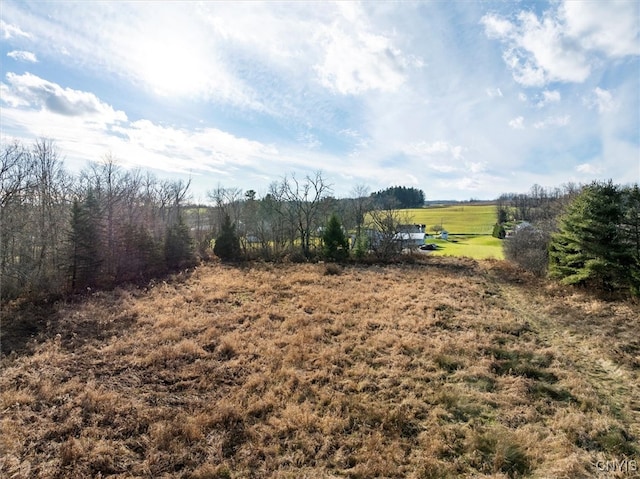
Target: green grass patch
[(457, 219), (476, 247)]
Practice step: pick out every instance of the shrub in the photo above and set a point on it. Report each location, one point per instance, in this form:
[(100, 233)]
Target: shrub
[(332, 270), (528, 248)]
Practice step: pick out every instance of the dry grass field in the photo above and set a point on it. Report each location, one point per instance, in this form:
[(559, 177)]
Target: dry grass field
[(450, 368)]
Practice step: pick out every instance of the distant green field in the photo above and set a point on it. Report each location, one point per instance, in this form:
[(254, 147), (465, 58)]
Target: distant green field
[(462, 220), (477, 247), (457, 219)]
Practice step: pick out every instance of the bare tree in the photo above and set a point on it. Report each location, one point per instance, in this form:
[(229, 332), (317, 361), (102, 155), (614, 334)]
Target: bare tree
[(227, 201), (51, 209), (384, 229), (16, 178), (361, 203), (305, 200)]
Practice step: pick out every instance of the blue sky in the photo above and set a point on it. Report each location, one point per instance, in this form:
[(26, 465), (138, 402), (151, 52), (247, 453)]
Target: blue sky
[(461, 99)]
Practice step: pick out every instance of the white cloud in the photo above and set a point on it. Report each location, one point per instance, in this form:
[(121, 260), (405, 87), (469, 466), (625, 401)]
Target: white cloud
[(600, 99), (33, 91), (612, 27), (517, 123), (199, 149), (356, 61), (309, 140), (552, 121), (477, 166), (23, 56), (560, 45), (12, 31), (497, 27), (549, 96), (494, 92), (589, 169), (438, 148)]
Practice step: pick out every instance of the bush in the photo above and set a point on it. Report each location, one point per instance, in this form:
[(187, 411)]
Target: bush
[(332, 269), (528, 248)]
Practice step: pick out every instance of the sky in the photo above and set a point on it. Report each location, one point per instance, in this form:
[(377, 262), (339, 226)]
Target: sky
[(462, 99)]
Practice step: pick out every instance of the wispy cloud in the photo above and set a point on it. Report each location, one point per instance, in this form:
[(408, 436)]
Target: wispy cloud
[(438, 148), (549, 96), (356, 61), (552, 121), (600, 99), (12, 31), (517, 123), (23, 56), (589, 169)]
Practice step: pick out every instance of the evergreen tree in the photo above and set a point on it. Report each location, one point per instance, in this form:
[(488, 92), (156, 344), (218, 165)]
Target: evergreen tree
[(589, 248), (335, 243), (178, 246), (84, 241), (227, 246), (631, 234), (142, 256)]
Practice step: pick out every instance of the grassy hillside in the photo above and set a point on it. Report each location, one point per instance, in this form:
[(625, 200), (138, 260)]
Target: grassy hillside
[(446, 369), (457, 219), (477, 247)]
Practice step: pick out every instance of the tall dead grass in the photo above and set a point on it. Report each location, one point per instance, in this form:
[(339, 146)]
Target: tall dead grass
[(445, 369)]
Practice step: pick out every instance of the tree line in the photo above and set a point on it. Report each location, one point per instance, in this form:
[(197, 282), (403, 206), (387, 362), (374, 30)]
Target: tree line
[(581, 235), (405, 197), (106, 225)]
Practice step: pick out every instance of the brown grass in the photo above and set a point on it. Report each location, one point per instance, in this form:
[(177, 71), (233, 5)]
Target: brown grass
[(445, 369)]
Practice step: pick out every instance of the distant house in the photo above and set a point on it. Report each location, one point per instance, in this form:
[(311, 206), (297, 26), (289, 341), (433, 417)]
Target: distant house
[(411, 236), (407, 236), (523, 225)]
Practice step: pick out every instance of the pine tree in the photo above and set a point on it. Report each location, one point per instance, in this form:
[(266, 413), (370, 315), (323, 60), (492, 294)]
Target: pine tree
[(589, 248), (178, 245), (631, 234), (335, 243), (84, 241), (227, 246)]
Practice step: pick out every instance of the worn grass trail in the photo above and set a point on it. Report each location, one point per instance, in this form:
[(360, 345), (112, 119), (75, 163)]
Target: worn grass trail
[(597, 339)]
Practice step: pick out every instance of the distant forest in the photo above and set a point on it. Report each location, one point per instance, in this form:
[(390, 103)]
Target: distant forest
[(62, 233)]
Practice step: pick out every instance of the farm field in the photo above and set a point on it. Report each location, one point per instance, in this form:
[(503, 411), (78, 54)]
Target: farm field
[(476, 247), (446, 368), (469, 227), (457, 219)]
